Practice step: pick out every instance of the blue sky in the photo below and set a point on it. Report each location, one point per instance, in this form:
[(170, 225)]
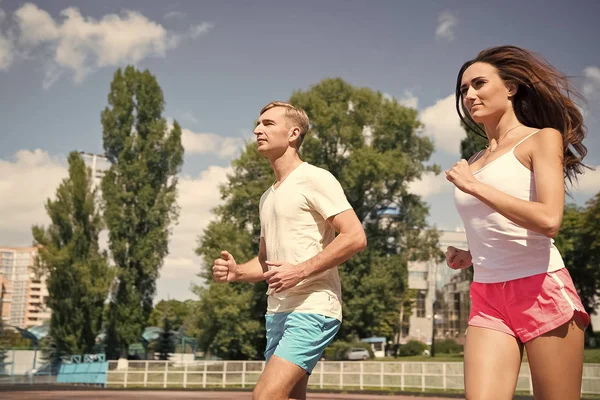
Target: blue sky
[(219, 62)]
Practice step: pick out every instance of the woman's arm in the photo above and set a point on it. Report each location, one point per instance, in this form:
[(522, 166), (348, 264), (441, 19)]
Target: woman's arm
[(543, 216)]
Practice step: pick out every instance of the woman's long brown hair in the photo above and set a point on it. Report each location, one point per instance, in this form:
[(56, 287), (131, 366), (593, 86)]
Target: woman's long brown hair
[(543, 100)]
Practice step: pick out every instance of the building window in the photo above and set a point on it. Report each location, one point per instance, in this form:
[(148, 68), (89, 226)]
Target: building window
[(421, 310), (457, 304)]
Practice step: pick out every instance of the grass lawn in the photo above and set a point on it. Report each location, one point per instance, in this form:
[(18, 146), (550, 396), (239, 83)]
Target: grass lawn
[(589, 356), (438, 358)]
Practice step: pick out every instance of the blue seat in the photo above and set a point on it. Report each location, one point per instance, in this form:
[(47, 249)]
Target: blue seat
[(88, 373)]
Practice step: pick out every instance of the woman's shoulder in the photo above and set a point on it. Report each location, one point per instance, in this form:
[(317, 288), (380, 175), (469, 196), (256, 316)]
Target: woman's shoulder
[(546, 141), (547, 137)]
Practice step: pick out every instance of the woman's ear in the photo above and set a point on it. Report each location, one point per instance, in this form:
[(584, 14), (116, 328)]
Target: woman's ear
[(512, 88)]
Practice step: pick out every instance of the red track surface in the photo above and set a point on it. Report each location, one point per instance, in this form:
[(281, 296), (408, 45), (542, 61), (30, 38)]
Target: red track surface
[(177, 395)]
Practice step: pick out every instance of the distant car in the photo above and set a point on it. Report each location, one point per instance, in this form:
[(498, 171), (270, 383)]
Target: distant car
[(358, 354)]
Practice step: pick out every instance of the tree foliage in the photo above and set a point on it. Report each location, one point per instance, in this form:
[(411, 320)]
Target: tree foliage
[(472, 143), (165, 344), (77, 272), (180, 314), (139, 191), (579, 243)]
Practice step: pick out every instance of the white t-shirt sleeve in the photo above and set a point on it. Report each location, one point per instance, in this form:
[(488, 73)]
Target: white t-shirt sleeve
[(326, 195)]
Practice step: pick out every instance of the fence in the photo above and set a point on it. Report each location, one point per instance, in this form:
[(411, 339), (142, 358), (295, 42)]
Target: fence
[(327, 375)]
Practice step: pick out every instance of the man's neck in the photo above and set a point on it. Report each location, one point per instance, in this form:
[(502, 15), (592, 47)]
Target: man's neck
[(285, 164)]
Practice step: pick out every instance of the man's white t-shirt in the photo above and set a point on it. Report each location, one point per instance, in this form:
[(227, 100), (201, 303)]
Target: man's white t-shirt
[(293, 219)]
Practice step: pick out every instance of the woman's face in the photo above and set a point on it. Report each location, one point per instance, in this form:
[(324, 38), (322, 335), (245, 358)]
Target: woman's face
[(484, 94)]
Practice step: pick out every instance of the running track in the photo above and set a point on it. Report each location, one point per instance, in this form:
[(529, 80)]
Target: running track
[(177, 395)]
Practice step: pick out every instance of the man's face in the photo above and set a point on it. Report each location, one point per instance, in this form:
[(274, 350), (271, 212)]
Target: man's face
[(273, 131)]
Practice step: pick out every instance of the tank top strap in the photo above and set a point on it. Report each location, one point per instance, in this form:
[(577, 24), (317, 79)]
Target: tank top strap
[(524, 139)]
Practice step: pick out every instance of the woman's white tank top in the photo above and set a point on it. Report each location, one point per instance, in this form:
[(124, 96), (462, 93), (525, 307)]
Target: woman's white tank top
[(502, 250)]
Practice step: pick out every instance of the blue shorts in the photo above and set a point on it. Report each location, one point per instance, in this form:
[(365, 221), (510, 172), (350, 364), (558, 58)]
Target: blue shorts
[(299, 338)]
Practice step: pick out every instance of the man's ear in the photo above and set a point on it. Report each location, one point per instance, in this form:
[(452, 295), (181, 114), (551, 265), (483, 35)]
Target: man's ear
[(294, 134)]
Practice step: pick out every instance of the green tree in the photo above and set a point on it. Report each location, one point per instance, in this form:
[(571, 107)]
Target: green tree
[(372, 146), (78, 275), (579, 243), (165, 344), (472, 143), (227, 322), (179, 312), (139, 191), (11, 338)]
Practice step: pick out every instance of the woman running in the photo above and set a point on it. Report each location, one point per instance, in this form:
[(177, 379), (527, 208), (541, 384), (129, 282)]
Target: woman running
[(510, 197)]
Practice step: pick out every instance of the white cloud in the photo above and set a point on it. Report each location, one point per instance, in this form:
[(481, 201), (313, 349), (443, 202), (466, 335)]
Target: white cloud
[(589, 182), (445, 28), (200, 29), (200, 143), (36, 25), (189, 116), (409, 100), (174, 15), (430, 184), (6, 52), (80, 45), (52, 74), (591, 85), (31, 177), (26, 182), (443, 125), (196, 197)]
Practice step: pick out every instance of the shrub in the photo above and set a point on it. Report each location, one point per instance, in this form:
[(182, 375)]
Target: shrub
[(413, 348), (337, 350), (448, 346)]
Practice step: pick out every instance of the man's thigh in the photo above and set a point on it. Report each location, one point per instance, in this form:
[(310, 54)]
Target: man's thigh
[(304, 338)]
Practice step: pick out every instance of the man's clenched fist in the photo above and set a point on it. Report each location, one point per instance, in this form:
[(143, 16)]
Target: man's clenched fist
[(225, 268)]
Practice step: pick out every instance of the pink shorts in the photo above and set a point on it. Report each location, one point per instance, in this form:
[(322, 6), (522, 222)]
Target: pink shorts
[(528, 307)]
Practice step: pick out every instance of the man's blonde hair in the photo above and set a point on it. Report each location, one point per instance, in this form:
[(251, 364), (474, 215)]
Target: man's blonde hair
[(296, 116)]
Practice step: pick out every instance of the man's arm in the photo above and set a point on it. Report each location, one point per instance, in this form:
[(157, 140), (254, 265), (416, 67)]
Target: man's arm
[(225, 269), (350, 240)]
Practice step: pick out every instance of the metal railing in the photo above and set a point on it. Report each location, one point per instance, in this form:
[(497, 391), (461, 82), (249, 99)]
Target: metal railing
[(342, 375)]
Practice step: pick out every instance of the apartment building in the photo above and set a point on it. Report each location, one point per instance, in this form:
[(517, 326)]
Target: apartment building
[(23, 295), (447, 288)]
